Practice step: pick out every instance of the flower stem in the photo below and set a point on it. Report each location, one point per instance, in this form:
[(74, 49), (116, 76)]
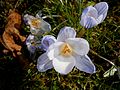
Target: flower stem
[(81, 32), (87, 34), (93, 52), (59, 25)]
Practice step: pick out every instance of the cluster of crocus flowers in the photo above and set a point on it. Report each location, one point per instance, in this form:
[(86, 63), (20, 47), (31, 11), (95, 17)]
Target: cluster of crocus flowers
[(37, 28), (92, 16), (65, 52)]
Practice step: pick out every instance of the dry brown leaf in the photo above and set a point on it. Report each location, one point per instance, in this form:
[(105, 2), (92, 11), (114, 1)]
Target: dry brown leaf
[(11, 33)]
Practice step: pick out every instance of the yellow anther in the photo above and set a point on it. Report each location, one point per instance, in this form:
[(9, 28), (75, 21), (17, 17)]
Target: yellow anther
[(66, 50), (35, 23)]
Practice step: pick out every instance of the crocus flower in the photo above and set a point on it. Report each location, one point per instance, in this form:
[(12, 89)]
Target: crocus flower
[(92, 16), (65, 53), (32, 44), (37, 24)]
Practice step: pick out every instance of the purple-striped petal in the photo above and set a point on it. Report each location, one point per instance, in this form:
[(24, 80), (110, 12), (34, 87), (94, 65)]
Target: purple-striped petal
[(102, 9), (43, 63), (47, 41), (88, 22), (66, 32), (83, 63)]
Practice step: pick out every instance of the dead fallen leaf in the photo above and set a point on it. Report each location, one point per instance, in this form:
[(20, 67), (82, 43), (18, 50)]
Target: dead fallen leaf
[(11, 36), (12, 33)]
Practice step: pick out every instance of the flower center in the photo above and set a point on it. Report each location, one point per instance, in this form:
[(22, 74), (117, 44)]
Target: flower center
[(35, 23), (66, 50), (32, 43)]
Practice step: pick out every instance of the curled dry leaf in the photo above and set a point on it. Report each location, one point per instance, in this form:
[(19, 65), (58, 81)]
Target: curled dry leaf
[(11, 33)]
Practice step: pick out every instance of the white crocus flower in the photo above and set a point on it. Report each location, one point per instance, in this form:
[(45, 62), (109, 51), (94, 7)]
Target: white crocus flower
[(32, 44), (37, 25), (92, 16), (66, 53)]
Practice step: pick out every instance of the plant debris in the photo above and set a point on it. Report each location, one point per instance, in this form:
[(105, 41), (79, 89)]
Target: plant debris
[(12, 33)]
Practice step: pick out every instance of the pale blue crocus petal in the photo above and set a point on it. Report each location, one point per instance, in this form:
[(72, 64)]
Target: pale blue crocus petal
[(91, 22), (36, 31), (90, 11), (99, 19), (88, 22), (102, 9), (43, 63), (46, 27), (31, 49), (28, 41), (27, 19), (66, 32), (29, 38), (33, 30), (39, 14), (79, 46), (63, 65), (82, 22), (83, 63), (47, 41)]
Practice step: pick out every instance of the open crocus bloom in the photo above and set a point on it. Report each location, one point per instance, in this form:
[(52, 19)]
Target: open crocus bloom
[(66, 53), (37, 25), (32, 44), (92, 16)]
